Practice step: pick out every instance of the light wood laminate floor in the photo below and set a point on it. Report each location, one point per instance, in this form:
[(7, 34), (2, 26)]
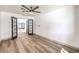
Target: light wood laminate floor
[(31, 44)]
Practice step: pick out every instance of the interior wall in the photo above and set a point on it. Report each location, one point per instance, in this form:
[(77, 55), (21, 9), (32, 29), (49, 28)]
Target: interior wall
[(0, 24), (6, 23), (75, 41), (57, 25)]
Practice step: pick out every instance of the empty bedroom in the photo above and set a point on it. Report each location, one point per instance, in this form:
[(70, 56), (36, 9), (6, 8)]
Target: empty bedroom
[(39, 29)]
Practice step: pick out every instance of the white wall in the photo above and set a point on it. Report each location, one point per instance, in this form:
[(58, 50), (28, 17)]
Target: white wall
[(0, 24), (75, 40), (6, 23), (57, 25)]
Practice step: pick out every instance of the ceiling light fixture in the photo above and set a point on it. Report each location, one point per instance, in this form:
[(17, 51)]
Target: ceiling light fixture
[(31, 13)]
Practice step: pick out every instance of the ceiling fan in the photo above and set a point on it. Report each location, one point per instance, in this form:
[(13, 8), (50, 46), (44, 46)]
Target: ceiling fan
[(31, 9)]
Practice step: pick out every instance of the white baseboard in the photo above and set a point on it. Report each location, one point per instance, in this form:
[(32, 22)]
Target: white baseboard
[(76, 48), (4, 39)]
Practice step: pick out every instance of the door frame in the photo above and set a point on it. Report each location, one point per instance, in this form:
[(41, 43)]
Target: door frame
[(29, 26), (14, 37)]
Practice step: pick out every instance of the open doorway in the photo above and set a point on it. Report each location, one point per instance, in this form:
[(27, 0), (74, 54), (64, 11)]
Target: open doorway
[(22, 26)]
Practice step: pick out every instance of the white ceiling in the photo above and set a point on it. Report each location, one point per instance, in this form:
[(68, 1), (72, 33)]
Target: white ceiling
[(17, 8)]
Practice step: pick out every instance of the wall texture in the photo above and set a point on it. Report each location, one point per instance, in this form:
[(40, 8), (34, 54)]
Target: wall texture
[(57, 25), (75, 40), (0, 24)]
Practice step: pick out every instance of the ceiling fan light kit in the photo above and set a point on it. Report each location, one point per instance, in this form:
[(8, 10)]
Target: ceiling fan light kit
[(31, 13), (30, 10)]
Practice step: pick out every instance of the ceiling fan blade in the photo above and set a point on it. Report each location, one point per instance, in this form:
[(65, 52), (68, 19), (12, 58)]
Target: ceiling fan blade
[(35, 8), (25, 7), (25, 11), (37, 11)]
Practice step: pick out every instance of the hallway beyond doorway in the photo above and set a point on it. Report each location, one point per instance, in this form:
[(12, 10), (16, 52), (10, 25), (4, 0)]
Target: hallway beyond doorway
[(22, 26)]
